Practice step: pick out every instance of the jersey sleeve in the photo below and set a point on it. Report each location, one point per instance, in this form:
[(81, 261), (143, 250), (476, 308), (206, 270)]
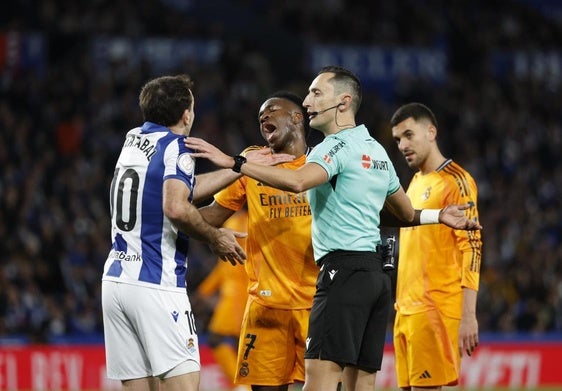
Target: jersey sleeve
[(464, 190), (233, 196), (394, 181), (179, 164), (325, 155)]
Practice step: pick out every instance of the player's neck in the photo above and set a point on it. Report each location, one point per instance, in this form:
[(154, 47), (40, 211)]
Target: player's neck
[(340, 125), (432, 163), (296, 152), (296, 147), (181, 130)]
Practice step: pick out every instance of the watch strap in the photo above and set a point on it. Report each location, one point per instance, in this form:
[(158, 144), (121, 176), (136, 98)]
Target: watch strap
[(238, 161)]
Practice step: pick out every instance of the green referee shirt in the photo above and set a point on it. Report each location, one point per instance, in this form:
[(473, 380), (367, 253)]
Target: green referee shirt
[(346, 209)]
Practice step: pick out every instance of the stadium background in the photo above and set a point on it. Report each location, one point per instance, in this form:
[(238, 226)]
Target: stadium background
[(70, 73)]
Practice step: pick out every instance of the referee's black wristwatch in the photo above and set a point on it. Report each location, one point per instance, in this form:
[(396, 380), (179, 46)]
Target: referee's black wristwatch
[(238, 161)]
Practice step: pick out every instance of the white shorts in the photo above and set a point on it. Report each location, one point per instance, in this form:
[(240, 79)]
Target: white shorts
[(147, 331)]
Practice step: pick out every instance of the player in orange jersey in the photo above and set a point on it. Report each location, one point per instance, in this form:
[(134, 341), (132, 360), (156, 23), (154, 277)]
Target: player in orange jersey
[(280, 264), (439, 267)]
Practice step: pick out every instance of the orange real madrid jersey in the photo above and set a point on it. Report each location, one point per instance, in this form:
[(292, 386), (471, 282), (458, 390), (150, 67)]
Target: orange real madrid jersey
[(435, 261), (280, 265)]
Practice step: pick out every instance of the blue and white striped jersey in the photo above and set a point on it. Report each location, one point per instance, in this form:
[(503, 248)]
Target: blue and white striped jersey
[(146, 248)]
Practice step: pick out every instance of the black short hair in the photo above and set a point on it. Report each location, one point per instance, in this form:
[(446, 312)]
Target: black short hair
[(414, 110), (347, 79)]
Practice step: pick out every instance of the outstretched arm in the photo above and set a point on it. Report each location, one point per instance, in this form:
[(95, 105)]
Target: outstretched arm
[(304, 178), (210, 183), (403, 215)]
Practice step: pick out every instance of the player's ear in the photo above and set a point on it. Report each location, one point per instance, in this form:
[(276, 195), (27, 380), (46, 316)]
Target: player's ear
[(186, 116), (432, 132), (345, 102), (296, 117)]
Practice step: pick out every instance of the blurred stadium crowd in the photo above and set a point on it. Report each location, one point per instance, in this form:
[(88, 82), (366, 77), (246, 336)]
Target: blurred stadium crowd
[(62, 123)]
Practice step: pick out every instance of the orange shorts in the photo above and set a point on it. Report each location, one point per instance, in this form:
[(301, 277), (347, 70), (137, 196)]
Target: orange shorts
[(426, 350), (271, 347)]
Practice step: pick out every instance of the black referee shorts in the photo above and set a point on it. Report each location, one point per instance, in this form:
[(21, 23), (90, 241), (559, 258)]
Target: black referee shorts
[(350, 310)]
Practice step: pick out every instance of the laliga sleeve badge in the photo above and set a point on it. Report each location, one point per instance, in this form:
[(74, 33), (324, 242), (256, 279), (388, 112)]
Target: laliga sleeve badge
[(186, 163), (244, 370)]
